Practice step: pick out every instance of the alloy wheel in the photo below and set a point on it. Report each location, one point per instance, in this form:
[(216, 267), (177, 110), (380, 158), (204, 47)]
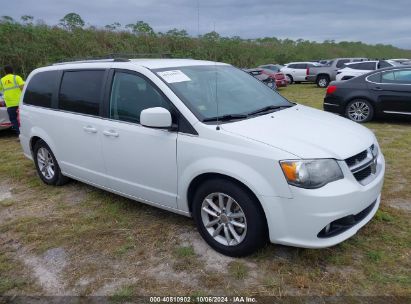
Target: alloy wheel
[(46, 163), (358, 111), (224, 219)]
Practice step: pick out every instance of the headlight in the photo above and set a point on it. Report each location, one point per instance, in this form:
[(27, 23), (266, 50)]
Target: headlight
[(311, 173)]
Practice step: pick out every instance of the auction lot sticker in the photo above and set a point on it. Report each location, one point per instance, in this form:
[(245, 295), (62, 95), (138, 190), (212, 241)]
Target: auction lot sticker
[(173, 76)]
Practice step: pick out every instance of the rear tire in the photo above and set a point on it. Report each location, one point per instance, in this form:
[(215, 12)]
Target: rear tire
[(224, 228), (323, 81), (47, 166), (359, 110)]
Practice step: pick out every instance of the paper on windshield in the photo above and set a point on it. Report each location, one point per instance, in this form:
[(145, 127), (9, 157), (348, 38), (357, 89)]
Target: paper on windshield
[(173, 76)]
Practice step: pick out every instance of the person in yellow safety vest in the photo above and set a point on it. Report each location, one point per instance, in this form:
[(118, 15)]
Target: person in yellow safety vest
[(12, 85)]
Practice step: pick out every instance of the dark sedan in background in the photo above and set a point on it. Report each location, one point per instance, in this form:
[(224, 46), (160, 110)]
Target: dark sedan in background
[(375, 94)]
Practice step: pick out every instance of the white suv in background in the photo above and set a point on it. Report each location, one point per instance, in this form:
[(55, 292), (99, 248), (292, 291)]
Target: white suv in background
[(298, 71), (355, 69), (206, 140)]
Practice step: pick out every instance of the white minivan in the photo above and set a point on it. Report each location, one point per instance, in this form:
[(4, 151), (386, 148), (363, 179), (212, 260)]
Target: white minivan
[(206, 140)]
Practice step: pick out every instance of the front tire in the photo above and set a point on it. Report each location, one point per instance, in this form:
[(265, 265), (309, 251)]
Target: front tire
[(359, 110), (229, 218), (47, 166), (289, 79)]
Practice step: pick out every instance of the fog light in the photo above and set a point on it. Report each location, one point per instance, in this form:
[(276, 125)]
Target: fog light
[(327, 228)]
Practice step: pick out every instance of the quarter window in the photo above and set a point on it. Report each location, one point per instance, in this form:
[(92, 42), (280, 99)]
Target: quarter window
[(383, 64), (375, 78), (81, 91), (131, 94), (40, 89), (341, 63)]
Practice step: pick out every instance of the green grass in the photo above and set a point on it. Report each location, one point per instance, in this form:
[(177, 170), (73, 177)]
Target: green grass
[(185, 251), (238, 270), (108, 236)]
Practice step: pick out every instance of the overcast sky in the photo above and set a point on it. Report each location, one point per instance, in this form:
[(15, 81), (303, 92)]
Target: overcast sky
[(369, 21)]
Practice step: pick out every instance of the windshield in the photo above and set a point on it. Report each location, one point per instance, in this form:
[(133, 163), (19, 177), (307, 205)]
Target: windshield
[(220, 90)]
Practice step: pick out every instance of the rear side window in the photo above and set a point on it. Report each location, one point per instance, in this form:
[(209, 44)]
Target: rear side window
[(81, 91), (301, 66), (341, 63), (40, 89), (362, 66), (400, 77)]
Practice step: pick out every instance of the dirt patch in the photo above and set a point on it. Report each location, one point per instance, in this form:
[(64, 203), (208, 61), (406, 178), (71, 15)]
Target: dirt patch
[(401, 204), (164, 273), (113, 285), (213, 260), (47, 270), (5, 192), (75, 193)]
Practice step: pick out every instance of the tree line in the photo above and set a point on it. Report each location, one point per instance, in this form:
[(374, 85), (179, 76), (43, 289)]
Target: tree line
[(28, 44)]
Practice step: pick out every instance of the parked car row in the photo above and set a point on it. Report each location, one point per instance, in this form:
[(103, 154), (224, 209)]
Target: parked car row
[(355, 69), (322, 72)]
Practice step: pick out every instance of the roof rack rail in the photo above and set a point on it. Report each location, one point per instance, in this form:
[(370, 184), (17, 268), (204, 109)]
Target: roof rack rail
[(115, 57)]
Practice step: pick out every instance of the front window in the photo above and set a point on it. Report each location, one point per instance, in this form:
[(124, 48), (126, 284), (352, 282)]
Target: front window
[(220, 90), (130, 95)]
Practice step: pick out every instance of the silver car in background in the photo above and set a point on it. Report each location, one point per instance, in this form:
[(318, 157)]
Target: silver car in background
[(4, 116)]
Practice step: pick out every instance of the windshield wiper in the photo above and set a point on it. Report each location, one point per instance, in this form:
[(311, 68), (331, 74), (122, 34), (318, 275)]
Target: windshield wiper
[(226, 117), (268, 108)]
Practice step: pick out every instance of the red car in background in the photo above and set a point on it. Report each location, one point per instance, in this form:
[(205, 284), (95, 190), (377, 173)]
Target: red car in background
[(273, 71)]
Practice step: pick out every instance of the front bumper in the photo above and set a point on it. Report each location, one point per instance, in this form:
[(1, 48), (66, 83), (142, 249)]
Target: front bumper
[(298, 221)]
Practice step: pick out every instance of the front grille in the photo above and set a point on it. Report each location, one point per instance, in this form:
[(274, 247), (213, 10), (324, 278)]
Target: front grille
[(363, 165), (356, 158), (363, 174)]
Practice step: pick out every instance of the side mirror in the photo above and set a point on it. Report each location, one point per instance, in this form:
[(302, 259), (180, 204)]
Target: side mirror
[(156, 118)]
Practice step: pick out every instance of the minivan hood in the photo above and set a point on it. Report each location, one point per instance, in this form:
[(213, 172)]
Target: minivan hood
[(306, 133)]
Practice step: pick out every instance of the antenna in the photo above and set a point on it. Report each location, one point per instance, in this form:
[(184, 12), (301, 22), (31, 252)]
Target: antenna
[(198, 18), (216, 75)]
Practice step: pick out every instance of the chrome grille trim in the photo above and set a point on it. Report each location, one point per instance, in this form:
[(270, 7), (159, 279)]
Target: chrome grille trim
[(364, 165)]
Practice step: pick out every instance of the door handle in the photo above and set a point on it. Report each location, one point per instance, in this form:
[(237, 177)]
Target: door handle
[(377, 88), (90, 129), (111, 133)]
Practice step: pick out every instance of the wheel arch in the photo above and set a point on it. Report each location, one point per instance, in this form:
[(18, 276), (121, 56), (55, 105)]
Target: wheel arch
[(33, 141), (323, 74), (360, 97), (198, 180)]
